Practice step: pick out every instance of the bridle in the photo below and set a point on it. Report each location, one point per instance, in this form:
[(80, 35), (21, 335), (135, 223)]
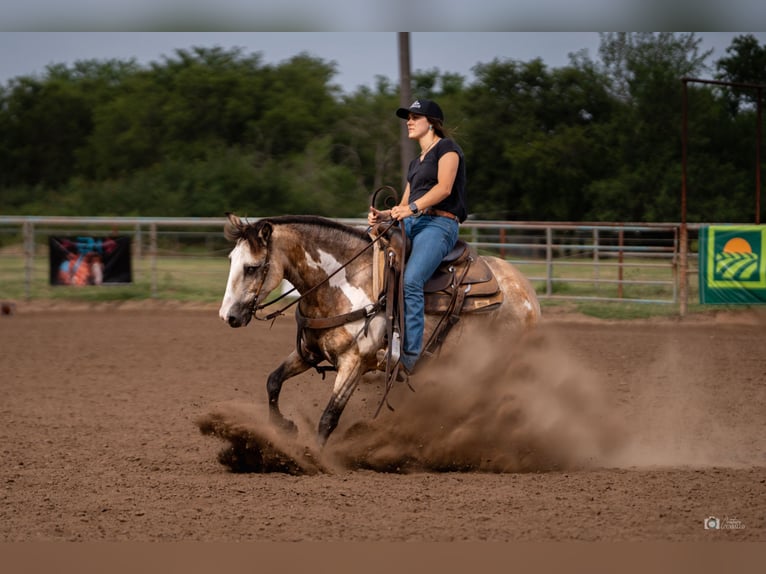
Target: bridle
[(254, 307), (389, 298)]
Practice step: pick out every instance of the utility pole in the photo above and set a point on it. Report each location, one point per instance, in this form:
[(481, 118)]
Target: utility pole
[(405, 95)]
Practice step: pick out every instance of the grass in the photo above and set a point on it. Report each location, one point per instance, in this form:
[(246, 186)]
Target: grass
[(189, 278), (200, 278), (625, 311)]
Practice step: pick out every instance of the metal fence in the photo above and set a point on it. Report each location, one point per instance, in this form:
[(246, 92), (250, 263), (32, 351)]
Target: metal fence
[(595, 261), (186, 257)]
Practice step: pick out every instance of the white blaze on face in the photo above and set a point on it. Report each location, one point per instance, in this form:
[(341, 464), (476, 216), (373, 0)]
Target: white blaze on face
[(238, 257)]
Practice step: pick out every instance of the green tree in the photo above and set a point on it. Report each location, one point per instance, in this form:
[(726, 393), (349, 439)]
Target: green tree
[(645, 71), (46, 120), (744, 64), (366, 138), (208, 130), (533, 139)]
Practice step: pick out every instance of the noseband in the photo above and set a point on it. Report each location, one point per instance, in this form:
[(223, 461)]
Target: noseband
[(253, 307)]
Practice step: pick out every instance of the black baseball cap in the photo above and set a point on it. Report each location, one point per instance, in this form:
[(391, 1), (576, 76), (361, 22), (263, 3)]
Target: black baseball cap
[(422, 107)]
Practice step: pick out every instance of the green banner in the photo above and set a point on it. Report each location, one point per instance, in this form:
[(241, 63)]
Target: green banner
[(732, 264)]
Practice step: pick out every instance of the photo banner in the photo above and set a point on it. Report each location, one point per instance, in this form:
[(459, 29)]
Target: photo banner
[(732, 264), (89, 260)]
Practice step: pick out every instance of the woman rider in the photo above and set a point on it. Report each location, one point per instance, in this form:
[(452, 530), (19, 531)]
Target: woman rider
[(432, 207)]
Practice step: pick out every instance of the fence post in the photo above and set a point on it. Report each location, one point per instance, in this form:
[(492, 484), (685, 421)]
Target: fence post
[(153, 257), (621, 243), (502, 242), (29, 257), (548, 261), (596, 271), (683, 248), (674, 265), (137, 241)]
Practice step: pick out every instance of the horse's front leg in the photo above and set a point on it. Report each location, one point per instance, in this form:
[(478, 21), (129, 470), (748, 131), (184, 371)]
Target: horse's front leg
[(350, 371), (293, 365)]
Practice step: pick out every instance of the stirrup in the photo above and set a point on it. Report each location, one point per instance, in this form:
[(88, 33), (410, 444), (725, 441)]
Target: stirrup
[(395, 348), (391, 354)]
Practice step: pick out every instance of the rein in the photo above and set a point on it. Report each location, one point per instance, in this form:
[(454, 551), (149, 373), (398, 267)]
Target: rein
[(348, 317), (391, 297)]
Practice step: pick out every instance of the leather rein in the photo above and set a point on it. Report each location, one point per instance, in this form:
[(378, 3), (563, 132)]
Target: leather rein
[(367, 312), (330, 321)]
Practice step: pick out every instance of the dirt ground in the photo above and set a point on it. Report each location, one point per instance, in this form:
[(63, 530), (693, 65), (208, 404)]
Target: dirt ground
[(584, 430)]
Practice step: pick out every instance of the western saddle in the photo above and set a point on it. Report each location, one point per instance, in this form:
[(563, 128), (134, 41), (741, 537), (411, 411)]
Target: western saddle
[(463, 283)]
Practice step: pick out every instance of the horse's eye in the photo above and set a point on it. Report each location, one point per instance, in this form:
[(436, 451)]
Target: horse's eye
[(251, 269)]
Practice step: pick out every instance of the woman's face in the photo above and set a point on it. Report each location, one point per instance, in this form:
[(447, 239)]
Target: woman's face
[(417, 126)]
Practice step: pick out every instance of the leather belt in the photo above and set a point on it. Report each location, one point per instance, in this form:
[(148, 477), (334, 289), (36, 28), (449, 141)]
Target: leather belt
[(440, 213)]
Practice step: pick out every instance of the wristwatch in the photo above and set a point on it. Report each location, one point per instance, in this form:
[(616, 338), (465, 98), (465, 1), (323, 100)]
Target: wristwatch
[(414, 209)]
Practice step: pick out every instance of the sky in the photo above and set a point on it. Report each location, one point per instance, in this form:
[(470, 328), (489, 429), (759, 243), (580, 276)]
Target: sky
[(379, 15), (360, 57)]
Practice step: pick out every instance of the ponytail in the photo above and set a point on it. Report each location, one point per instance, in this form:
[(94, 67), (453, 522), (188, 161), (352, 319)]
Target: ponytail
[(438, 127)]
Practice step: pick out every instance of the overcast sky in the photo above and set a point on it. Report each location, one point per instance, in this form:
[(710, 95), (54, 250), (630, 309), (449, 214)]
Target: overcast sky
[(359, 56), (380, 15)]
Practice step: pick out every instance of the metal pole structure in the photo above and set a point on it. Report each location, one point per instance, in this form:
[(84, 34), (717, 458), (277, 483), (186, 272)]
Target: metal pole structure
[(758, 159), (405, 99), (758, 88), (683, 243), (684, 239)]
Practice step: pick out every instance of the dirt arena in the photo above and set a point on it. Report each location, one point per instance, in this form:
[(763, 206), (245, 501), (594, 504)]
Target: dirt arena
[(585, 430)]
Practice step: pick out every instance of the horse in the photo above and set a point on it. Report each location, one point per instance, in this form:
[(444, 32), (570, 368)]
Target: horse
[(340, 318)]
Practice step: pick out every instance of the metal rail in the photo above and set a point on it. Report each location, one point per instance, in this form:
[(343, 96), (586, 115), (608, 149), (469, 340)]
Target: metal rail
[(629, 262)]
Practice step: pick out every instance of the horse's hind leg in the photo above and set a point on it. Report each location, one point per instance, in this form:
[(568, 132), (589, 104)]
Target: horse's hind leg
[(293, 365), (349, 373)]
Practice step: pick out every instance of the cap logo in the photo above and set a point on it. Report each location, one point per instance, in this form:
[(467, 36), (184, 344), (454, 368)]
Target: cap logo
[(415, 104)]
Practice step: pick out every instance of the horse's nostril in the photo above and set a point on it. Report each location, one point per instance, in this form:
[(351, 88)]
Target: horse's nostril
[(233, 321)]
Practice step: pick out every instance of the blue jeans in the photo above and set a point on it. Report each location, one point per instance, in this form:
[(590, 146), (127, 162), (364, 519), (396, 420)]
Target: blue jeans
[(433, 237)]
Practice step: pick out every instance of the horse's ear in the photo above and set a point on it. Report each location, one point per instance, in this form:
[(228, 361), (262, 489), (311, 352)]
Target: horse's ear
[(265, 232), (233, 219), (232, 229)]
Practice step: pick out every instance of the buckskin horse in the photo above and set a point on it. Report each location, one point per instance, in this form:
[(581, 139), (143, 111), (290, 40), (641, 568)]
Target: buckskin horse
[(342, 314)]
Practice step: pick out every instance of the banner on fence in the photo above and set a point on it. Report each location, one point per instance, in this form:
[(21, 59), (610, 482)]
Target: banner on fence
[(732, 264), (89, 260)]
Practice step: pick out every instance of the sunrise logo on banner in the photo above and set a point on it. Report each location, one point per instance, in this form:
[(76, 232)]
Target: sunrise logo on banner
[(733, 264)]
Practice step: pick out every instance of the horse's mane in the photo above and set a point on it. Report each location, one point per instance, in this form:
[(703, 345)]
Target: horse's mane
[(250, 231)]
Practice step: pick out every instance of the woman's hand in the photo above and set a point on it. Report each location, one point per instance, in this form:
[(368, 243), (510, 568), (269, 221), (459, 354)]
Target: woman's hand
[(399, 212), (376, 216)]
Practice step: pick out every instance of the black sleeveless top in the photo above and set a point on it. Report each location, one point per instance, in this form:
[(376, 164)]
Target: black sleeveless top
[(423, 175)]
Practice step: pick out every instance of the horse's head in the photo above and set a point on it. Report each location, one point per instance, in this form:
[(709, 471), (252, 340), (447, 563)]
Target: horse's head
[(249, 278)]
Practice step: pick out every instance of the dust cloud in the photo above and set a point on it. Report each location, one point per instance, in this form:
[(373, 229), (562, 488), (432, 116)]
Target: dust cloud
[(254, 445), (677, 419), (531, 404), (498, 404)]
